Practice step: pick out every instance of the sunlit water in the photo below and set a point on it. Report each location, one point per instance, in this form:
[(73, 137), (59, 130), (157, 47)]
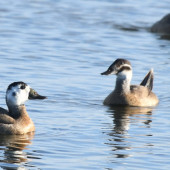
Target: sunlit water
[(60, 48)]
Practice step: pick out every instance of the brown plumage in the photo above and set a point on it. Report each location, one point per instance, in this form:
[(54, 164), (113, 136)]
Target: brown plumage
[(16, 121), (20, 125), (126, 94)]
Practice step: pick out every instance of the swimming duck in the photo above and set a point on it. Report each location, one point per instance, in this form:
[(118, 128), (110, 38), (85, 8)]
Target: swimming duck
[(162, 26), (16, 120), (126, 94)]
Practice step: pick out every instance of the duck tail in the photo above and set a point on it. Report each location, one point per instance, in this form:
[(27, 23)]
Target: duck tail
[(148, 80)]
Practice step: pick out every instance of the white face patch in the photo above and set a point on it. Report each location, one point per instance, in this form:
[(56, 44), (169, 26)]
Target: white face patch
[(16, 95)]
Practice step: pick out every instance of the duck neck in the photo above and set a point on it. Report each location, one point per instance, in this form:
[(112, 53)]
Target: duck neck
[(18, 111), (123, 83)]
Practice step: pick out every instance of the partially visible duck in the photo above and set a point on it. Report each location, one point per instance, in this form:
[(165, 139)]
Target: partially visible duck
[(126, 94), (16, 120), (162, 26)]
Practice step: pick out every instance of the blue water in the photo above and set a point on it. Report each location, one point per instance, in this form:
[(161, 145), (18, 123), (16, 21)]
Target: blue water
[(60, 48)]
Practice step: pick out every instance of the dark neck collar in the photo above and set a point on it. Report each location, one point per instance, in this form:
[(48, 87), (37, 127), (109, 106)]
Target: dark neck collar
[(17, 111)]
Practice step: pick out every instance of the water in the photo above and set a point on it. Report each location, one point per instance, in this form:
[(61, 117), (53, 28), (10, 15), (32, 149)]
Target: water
[(60, 48)]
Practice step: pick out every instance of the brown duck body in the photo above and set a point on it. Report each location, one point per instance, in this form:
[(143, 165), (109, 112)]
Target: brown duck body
[(16, 122), (137, 96)]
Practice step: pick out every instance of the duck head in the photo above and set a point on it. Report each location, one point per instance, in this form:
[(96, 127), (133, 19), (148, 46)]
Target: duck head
[(121, 68), (19, 92)]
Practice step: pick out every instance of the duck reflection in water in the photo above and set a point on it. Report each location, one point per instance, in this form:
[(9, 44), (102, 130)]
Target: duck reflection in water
[(122, 117), (13, 146)]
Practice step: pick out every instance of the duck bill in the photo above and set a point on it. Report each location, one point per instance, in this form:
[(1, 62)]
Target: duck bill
[(34, 95), (108, 72)]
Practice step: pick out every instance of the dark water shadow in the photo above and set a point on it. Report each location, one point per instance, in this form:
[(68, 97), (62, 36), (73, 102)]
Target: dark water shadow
[(12, 148), (160, 28), (131, 28), (165, 37), (161, 36), (127, 26), (118, 137), (135, 28)]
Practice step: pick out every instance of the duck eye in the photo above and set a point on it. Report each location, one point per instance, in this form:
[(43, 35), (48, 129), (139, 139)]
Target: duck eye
[(22, 87)]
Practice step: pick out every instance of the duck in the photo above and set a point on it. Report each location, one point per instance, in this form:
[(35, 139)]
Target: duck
[(127, 94), (15, 120), (162, 26)]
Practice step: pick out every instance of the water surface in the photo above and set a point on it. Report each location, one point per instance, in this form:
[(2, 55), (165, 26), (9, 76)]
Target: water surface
[(60, 48)]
